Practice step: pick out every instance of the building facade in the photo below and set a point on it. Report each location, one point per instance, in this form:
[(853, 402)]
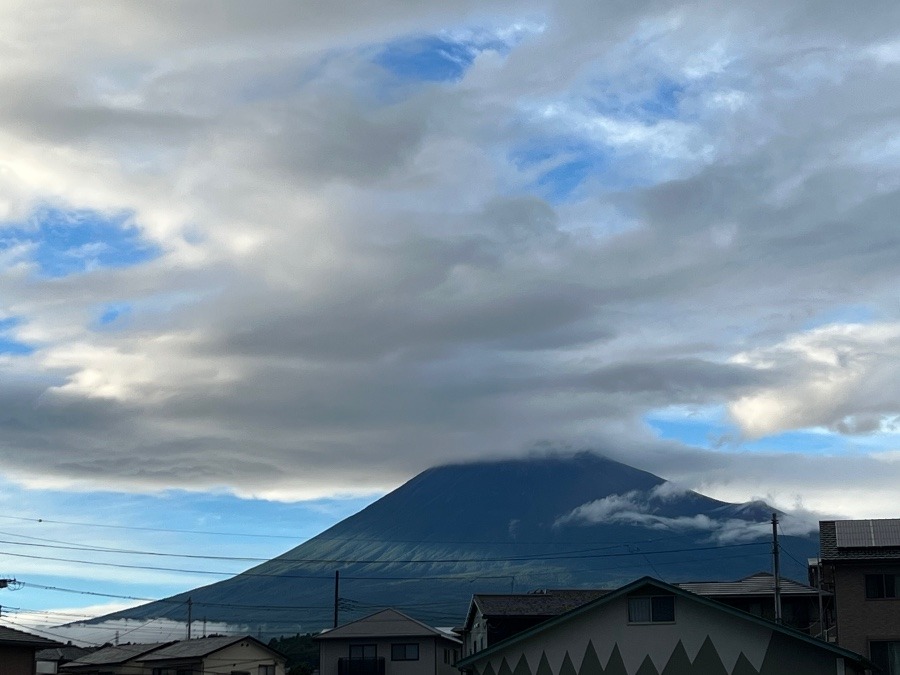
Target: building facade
[(224, 655), (860, 564), (17, 650), (649, 627), (387, 643)]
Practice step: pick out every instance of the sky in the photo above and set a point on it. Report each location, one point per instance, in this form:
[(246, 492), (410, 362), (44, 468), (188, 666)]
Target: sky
[(261, 264)]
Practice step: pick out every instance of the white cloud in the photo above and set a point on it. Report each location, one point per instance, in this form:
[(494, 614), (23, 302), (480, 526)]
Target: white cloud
[(838, 376), (358, 277), (647, 509)]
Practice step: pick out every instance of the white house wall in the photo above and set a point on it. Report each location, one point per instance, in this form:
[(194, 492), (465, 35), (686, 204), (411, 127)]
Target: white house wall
[(243, 655), (431, 655)]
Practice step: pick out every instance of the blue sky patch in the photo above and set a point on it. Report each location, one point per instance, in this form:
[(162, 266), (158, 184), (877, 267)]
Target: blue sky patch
[(430, 59), (661, 101), (664, 102), (701, 433), (8, 344), (114, 313), (569, 163), (841, 315), (66, 242), (717, 433)]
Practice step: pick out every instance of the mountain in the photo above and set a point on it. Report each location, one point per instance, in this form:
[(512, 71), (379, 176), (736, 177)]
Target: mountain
[(550, 522)]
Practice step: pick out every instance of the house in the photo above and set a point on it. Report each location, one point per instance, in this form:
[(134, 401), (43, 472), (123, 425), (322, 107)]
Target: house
[(800, 604), (226, 655), (111, 660), (17, 650), (860, 563), (496, 616), (387, 643), (49, 660), (649, 627)]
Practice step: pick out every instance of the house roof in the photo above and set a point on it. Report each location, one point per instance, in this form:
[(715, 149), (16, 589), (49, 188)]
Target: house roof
[(115, 654), (386, 623), (200, 647), (859, 539), (63, 654), (545, 603), (760, 584), (675, 590), (19, 638)]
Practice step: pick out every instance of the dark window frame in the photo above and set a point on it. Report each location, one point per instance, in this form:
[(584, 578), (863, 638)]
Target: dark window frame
[(362, 646), (400, 651), (880, 651), (882, 586), (661, 609)]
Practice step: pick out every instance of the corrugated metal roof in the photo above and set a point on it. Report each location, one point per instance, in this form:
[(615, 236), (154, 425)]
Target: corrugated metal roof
[(759, 584), (866, 533), (198, 648)]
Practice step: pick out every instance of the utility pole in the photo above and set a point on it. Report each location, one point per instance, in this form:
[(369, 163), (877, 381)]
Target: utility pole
[(337, 595), (190, 605), (776, 567)]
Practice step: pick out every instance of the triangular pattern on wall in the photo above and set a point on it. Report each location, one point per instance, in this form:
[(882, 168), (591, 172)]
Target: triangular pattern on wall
[(504, 668), (544, 666), (615, 665), (679, 663), (567, 668), (488, 669), (590, 664), (647, 667), (522, 667), (708, 660), (743, 666)]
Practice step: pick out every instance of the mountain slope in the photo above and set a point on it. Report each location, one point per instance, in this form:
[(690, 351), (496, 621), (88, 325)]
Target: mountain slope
[(492, 527)]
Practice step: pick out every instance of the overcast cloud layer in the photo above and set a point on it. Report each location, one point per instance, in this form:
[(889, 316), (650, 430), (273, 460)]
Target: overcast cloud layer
[(309, 248)]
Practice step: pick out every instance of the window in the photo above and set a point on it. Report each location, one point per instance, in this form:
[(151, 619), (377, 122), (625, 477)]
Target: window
[(886, 655), (362, 652), (882, 586), (267, 670), (405, 651), (651, 609)]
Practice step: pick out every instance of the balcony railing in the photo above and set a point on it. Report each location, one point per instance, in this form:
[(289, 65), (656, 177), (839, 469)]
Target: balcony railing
[(361, 666)]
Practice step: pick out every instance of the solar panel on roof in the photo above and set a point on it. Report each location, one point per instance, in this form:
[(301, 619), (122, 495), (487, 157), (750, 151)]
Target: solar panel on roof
[(867, 533)]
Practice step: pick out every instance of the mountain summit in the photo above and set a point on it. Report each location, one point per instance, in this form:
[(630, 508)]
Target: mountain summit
[(549, 522)]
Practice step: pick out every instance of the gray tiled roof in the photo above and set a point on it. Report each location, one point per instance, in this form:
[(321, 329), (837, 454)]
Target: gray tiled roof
[(386, 623), (197, 648), (114, 654), (63, 654), (860, 539), (10, 636), (761, 584), (540, 603)]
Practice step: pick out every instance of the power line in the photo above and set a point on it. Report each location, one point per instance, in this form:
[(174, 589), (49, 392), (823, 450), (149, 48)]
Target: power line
[(151, 529)]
